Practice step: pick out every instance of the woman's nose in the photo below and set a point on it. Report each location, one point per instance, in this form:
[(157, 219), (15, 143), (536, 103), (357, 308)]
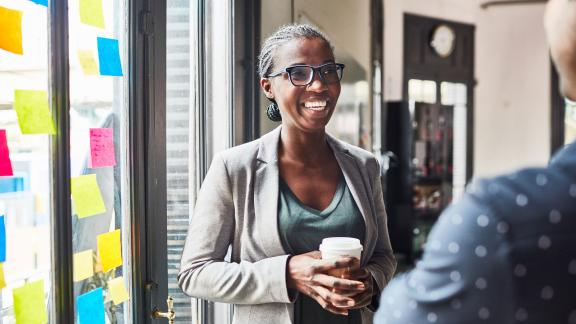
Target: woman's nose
[(317, 83)]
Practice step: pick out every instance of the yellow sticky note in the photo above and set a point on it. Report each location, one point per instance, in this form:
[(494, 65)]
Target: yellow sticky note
[(2, 279), (29, 304), (117, 290), (109, 250), (11, 27), (91, 13), (83, 265), (33, 112), (86, 196), (88, 62)]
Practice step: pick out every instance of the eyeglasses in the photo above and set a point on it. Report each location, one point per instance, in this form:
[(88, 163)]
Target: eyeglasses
[(303, 75)]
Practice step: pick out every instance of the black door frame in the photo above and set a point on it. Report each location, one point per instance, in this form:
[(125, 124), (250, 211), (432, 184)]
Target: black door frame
[(430, 72)]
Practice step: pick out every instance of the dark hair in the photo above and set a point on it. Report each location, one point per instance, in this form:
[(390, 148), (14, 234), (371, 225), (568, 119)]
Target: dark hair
[(282, 36)]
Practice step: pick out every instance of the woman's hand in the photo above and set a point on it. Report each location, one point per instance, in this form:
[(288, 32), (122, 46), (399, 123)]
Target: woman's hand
[(363, 298), (307, 273)]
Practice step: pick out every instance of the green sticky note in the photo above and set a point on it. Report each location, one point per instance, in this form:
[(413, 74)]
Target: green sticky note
[(34, 115), (91, 13), (86, 196), (29, 304)]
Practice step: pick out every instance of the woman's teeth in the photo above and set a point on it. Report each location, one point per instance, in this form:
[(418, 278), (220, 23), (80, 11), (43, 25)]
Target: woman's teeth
[(315, 105)]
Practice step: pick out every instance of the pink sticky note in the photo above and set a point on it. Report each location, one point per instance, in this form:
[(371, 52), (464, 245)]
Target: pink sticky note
[(102, 148), (5, 164)]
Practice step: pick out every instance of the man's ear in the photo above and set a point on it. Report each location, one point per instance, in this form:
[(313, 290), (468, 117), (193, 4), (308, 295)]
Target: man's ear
[(266, 86)]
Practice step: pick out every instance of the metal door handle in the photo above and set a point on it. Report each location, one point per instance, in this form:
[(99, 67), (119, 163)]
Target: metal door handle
[(170, 315)]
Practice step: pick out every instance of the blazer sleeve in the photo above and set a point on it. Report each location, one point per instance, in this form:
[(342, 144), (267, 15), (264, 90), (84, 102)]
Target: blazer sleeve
[(203, 271), (382, 265)]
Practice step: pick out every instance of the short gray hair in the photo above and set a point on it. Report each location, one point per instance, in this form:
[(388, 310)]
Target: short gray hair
[(282, 36)]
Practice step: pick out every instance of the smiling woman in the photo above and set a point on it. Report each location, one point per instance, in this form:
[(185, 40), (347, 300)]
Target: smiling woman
[(275, 199)]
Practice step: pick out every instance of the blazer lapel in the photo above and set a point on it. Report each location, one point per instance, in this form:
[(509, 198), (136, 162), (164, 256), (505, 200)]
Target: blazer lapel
[(266, 193), (360, 193)]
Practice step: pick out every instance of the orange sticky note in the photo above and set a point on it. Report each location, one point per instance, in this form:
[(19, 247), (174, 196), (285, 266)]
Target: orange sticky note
[(33, 112), (2, 278), (117, 290), (11, 27), (87, 196), (88, 62), (29, 303), (83, 265), (109, 250)]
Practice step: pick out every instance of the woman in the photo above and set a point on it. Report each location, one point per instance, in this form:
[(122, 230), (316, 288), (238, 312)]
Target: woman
[(274, 200)]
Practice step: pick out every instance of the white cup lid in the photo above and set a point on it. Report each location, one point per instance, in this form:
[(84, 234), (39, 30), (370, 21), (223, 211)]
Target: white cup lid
[(337, 243)]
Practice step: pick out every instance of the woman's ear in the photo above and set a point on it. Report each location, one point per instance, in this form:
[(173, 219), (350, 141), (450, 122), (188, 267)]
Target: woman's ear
[(266, 86)]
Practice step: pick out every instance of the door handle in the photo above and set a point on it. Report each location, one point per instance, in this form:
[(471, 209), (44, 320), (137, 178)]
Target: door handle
[(170, 314)]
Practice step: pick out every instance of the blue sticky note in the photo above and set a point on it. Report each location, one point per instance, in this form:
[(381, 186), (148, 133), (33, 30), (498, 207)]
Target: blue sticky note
[(2, 239), (41, 2), (91, 307), (109, 57)]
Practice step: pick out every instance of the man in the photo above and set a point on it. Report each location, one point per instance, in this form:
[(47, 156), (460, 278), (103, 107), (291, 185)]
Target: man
[(506, 252)]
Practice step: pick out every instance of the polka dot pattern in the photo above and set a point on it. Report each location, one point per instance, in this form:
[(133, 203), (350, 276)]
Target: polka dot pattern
[(480, 251), (503, 226), (521, 200), (484, 313), (521, 315)]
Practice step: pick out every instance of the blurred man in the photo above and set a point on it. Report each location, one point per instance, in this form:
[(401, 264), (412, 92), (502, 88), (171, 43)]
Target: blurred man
[(506, 252)]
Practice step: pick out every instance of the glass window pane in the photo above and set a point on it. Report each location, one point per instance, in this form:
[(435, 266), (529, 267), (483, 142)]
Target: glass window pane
[(422, 91), (454, 94), (180, 162), (25, 195), (98, 152)]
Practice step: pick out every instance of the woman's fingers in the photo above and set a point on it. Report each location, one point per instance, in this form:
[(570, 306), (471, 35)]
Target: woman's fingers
[(347, 263), (338, 283)]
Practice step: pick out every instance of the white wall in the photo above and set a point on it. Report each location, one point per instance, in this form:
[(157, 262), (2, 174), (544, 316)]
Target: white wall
[(512, 69)]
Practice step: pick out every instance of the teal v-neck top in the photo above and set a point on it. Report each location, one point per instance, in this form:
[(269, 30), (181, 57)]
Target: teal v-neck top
[(302, 229)]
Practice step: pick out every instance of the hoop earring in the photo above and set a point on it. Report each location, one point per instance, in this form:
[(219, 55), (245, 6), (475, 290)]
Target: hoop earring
[(273, 112)]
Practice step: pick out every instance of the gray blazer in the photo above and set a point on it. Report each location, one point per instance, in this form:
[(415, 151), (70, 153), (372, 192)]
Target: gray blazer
[(238, 206)]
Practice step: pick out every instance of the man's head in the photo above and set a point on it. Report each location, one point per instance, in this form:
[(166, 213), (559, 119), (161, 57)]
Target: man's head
[(560, 23)]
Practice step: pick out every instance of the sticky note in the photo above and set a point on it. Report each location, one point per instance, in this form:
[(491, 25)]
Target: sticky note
[(87, 62), (102, 148), (41, 2), (2, 278), (109, 250), (117, 290), (29, 304), (91, 307), (83, 265), (11, 27), (5, 163), (86, 196), (2, 239), (33, 113), (109, 57), (91, 13)]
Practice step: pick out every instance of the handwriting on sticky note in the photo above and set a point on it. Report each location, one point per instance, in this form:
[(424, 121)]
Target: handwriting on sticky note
[(83, 265), (109, 57), (91, 13), (29, 303), (5, 163), (87, 196), (102, 147), (87, 62), (91, 307), (109, 250), (11, 27), (33, 113), (117, 290)]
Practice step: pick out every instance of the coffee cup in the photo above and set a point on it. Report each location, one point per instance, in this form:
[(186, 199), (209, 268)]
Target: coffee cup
[(338, 247)]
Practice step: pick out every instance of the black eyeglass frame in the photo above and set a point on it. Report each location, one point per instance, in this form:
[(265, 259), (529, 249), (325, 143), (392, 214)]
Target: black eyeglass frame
[(315, 69)]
